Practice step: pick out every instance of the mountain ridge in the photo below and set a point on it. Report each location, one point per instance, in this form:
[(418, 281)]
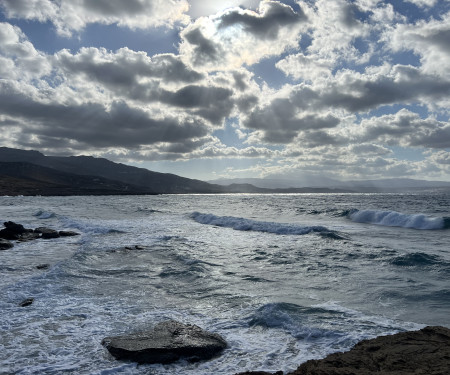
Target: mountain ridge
[(30, 172)]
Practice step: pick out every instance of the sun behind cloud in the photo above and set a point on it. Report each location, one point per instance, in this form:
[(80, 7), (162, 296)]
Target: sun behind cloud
[(199, 8)]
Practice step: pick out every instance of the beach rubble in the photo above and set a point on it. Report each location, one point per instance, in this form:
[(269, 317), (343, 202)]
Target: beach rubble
[(167, 342), (423, 352)]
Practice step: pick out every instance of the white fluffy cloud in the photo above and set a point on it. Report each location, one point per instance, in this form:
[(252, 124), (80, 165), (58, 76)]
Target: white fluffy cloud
[(20, 59), (73, 15), (428, 39)]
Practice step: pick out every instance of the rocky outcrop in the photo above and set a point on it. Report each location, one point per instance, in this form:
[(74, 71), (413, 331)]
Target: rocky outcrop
[(168, 342), (424, 352), (12, 231), (17, 232), (47, 233)]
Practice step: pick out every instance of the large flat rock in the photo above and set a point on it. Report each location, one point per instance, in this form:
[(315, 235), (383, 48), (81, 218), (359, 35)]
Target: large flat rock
[(168, 342)]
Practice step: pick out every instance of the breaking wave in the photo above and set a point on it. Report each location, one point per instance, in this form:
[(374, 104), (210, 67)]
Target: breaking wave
[(42, 214), (239, 223), (397, 219)]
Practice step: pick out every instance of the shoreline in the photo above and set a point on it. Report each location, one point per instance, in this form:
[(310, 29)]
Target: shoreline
[(424, 352)]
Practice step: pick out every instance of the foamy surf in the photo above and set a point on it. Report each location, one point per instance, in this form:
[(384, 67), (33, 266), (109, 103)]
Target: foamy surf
[(242, 224), (397, 219)]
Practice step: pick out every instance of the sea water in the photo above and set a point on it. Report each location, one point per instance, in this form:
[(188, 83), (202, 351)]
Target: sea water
[(283, 278)]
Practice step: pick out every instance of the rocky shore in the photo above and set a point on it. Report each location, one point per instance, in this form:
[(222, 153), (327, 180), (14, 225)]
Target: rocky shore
[(423, 352), (17, 232)]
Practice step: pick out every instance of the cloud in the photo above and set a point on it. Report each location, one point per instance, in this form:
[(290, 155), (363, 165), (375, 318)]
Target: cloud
[(429, 39), (302, 109), (93, 124), (267, 24), (20, 59), (125, 67), (135, 76), (74, 15), (423, 3), (281, 123), (407, 129), (236, 36)]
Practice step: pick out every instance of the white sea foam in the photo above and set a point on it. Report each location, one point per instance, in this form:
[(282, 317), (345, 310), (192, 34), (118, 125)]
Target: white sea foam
[(42, 214), (239, 223), (396, 219)]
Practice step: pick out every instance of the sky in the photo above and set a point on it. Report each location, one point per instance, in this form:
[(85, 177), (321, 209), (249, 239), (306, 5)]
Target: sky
[(224, 89)]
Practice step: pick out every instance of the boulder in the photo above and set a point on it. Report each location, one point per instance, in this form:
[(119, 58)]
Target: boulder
[(168, 342), (5, 244), (47, 232), (12, 231), (424, 352)]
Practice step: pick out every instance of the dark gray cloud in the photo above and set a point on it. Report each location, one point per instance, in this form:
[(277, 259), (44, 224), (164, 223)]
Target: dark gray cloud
[(94, 125), (281, 122), (407, 85), (204, 51), (125, 67), (211, 103), (266, 25)]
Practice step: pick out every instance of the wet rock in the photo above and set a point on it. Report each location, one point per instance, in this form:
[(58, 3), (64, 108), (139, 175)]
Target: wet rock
[(12, 231), (26, 302), (47, 233), (425, 352), (28, 236), (168, 342), (68, 233), (43, 266), (5, 244)]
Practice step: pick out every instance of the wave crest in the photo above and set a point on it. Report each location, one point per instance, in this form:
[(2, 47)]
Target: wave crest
[(397, 219), (239, 223), (42, 214)]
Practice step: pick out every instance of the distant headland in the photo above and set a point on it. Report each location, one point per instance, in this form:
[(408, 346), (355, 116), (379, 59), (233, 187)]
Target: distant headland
[(29, 173)]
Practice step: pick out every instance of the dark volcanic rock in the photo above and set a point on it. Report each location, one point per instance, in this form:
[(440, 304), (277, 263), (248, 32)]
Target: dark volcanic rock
[(424, 352), (12, 231), (47, 232), (67, 233), (28, 236), (26, 302), (5, 244), (168, 342)]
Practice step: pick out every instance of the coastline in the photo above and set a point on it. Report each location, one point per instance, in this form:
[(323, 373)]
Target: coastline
[(426, 352)]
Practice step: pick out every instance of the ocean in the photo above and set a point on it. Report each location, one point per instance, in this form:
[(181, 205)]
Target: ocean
[(283, 278)]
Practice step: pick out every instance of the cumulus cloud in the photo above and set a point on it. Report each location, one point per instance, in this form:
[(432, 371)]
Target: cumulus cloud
[(20, 59), (407, 129), (93, 124), (429, 39), (238, 36), (73, 15)]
